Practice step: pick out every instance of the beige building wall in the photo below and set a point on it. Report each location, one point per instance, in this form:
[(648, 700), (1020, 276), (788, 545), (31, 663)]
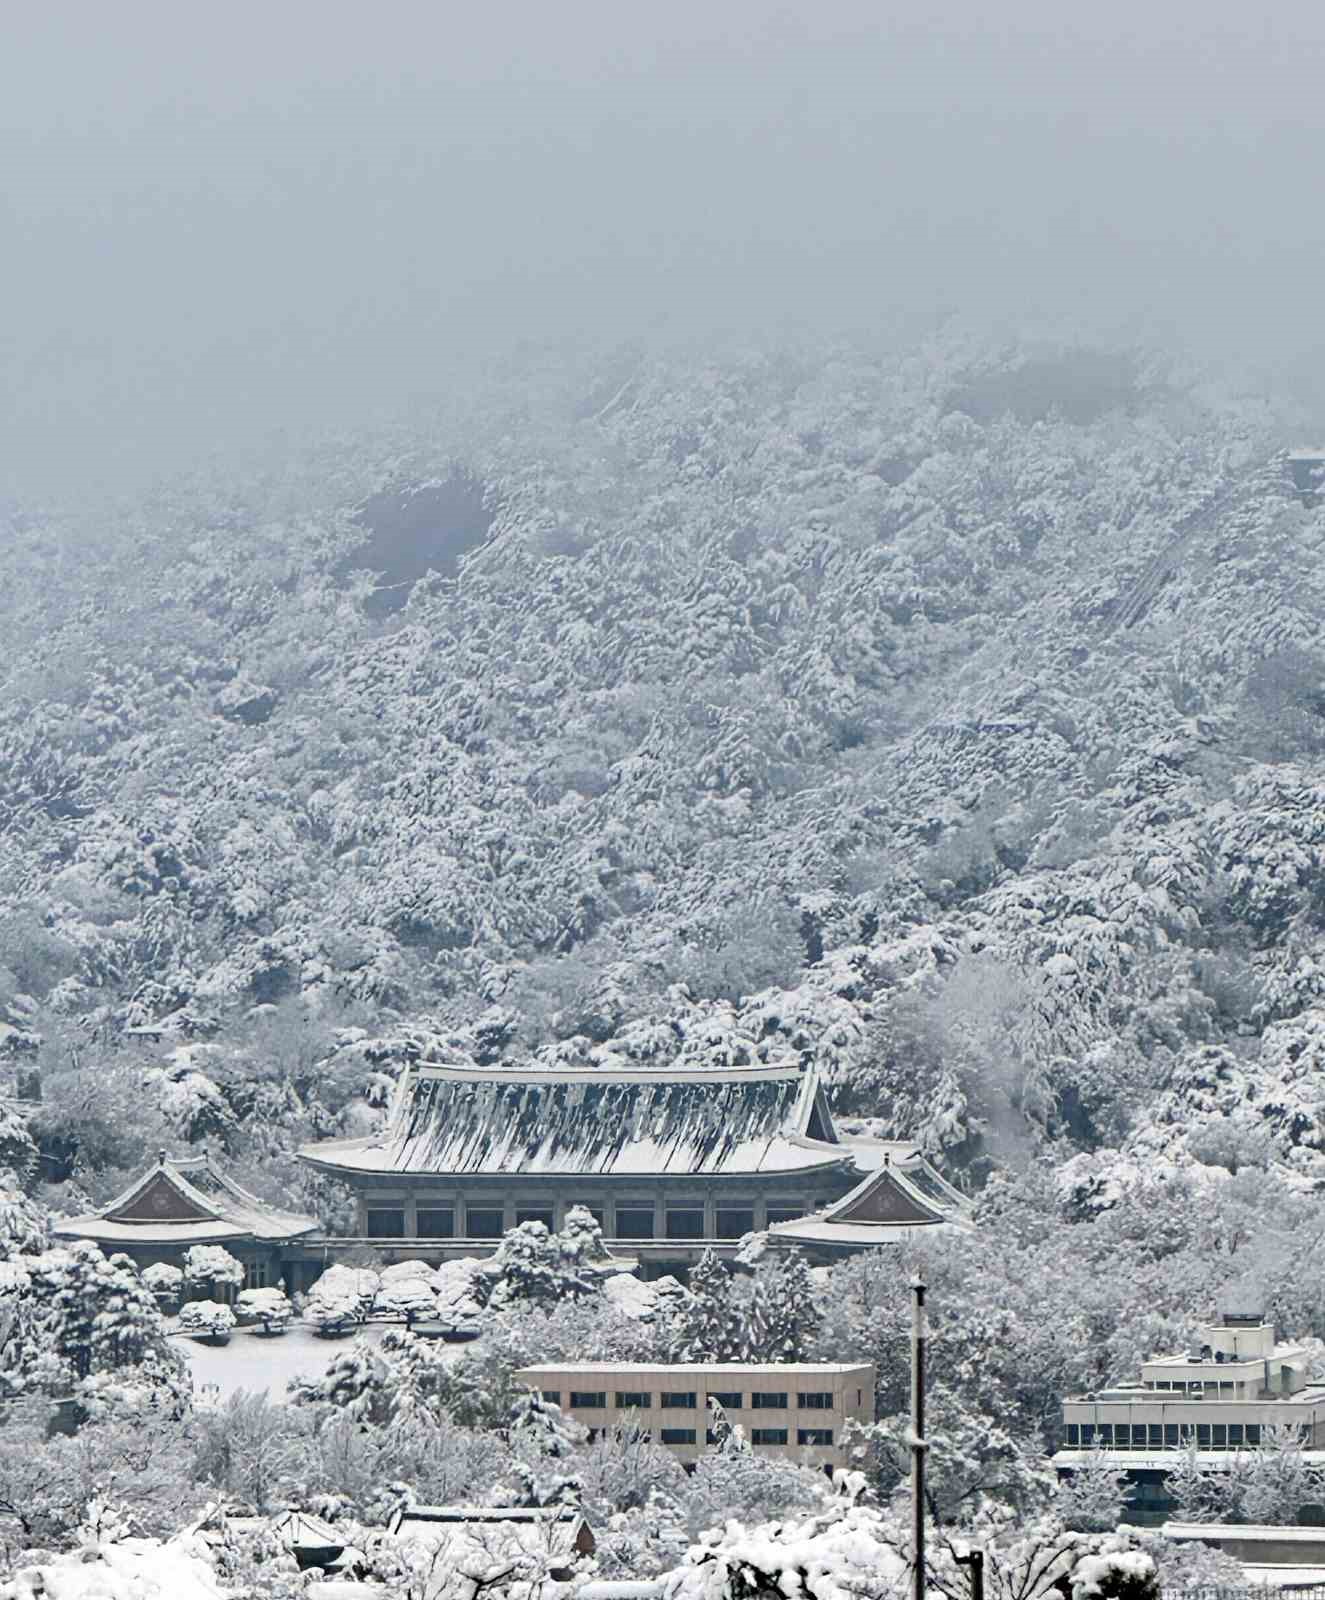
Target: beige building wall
[(796, 1411)]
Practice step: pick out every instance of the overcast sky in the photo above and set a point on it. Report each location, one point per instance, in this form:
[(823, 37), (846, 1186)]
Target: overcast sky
[(222, 220)]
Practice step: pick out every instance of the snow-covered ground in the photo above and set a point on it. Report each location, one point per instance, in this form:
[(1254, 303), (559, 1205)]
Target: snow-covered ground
[(252, 1362)]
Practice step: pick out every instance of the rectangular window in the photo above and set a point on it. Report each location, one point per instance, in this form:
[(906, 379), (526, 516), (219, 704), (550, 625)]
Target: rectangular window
[(685, 1224), (1202, 1435), (437, 1223), (552, 1396), (677, 1436), (633, 1399), (1087, 1435), (536, 1214), (255, 1274), (679, 1400), (728, 1399), (784, 1214), (1235, 1435), (1138, 1436), (709, 1436), (1156, 1438), (386, 1224), (1104, 1432), (1218, 1436), (634, 1222), (1172, 1435), (1253, 1432), (816, 1400), (814, 1436), (768, 1400), (588, 1400), (768, 1436), (1073, 1435), (733, 1222), (484, 1222)]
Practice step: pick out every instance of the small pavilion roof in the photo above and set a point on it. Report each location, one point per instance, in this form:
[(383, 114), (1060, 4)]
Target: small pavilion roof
[(903, 1193), (184, 1200), (463, 1119)]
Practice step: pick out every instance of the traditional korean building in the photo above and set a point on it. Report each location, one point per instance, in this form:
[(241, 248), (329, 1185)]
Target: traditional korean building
[(669, 1162), (185, 1200), (904, 1196)]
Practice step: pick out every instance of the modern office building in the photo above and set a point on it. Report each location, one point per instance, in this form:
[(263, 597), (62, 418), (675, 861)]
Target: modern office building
[(797, 1410), (1238, 1387)]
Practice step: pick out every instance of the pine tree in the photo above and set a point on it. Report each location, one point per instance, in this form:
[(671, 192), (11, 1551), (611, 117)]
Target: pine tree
[(783, 1317), (709, 1327)]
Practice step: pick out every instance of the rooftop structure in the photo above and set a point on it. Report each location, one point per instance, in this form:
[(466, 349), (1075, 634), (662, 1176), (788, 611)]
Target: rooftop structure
[(902, 1196), (1306, 467), (558, 1535), (181, 1201), (667, 1161), (796, 1410)]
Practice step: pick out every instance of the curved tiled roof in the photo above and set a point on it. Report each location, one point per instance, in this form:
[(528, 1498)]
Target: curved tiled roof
[(184, 1200), (450, 1119), (903, 1193)]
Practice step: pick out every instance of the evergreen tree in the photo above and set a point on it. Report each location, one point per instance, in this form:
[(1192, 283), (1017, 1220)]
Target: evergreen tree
[(709, 1327), (783, 1317)]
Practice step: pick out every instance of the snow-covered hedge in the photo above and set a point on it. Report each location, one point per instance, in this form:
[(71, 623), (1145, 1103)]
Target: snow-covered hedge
[(128, 1569), (212, 1263)]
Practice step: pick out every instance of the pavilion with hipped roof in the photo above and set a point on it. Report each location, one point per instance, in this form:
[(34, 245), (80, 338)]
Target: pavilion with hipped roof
[(903, 1197), (182, 1201)]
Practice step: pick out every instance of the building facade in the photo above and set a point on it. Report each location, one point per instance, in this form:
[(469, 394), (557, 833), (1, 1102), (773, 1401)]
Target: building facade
[(796, 1410), (182, 1201), (1238, 1388), (668, 1162)]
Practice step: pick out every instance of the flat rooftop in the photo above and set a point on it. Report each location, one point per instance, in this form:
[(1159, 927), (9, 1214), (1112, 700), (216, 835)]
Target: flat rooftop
[(733, 1369)]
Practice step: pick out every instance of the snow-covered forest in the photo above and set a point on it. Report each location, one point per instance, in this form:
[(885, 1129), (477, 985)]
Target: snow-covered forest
[(950, 716)]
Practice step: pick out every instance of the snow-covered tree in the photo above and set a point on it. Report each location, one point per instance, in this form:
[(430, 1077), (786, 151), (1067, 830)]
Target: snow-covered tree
[(709, 1325), (209, 1267), (207, 1319), (1091, 1499)]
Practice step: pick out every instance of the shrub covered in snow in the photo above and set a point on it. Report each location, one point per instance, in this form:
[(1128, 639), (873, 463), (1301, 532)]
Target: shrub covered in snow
[(268, 1309), (126, 1569), (207, 1319), (212, 1266)]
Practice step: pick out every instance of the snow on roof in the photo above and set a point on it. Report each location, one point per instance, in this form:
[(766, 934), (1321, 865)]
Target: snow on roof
[(450, 1119), (184, 1200), (689, 1369), (888, 1205), (1259, 1532)]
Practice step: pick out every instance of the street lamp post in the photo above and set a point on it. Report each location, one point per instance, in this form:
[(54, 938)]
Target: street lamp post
[(919, 1334)]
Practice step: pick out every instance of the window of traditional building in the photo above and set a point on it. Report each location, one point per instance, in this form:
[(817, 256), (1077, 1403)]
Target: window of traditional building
[(596, 1212), (688, 1224), (255, 1274), (678, 1400), (784, 1214), (634, 1222), (734, 1222), (677, 1436), (436, 1223), (484, 1222), (768, 1436), (536, 1214), (386, 1224), (814, 1436), (768, 1400)]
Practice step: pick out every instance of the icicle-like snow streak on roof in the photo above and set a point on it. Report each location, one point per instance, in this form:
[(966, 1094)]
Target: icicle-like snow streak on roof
[(459, 1120)]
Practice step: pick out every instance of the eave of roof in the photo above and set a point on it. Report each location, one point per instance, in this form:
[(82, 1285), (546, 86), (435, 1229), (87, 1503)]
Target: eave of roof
[(237, 1216)]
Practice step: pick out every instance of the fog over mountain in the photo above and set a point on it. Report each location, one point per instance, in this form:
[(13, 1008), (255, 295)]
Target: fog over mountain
[(218, 226)]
